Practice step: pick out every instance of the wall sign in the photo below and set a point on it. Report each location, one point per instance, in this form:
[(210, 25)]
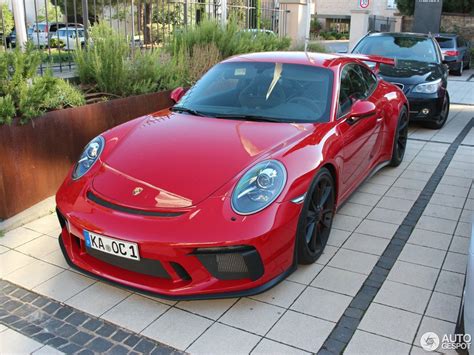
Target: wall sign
[(363, 4)]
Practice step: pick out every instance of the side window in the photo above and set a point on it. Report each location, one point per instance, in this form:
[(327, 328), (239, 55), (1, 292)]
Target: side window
[(459, 42), (353, 87)]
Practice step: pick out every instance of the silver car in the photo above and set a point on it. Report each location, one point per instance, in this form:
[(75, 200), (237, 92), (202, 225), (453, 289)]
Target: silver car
[(465, 323)]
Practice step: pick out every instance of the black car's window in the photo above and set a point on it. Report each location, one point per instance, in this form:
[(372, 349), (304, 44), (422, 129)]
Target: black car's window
[(402, 47), (353, 87), (370, 78), (445, 42), (280, 91)]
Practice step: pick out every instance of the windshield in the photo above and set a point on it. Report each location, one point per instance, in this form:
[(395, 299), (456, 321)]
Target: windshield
[(400, 47), (276, 91), (445, 42)]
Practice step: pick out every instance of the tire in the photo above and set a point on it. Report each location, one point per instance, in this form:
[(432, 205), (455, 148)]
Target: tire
[(443, 116), (316, 218), (459, 329), (400, 139), (460, 70)]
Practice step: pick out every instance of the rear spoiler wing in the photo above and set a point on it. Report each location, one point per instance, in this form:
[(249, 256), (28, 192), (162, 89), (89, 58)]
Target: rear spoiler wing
[(377, 59)]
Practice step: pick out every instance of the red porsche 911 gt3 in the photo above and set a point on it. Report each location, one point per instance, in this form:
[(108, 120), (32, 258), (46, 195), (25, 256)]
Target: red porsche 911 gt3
[(223, 194)]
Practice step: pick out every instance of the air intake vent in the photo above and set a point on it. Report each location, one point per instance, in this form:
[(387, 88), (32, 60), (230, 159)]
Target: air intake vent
[(231, 263), (91, 196)]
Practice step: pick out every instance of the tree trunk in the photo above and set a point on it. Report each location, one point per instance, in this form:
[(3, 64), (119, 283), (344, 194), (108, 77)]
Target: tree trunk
[(140, 17), (147, 24)]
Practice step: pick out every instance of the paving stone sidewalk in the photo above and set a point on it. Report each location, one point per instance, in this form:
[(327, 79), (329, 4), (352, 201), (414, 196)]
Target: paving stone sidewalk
[(420, 293)]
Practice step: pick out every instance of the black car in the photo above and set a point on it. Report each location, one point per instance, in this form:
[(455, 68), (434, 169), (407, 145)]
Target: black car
[(419, 72), (455, 50)]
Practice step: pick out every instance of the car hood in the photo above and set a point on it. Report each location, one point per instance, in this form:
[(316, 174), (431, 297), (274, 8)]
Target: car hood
[(409, 72), (178, 160)]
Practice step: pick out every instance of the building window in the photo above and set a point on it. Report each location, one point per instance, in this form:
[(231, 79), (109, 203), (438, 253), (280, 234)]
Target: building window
[(391, 4)]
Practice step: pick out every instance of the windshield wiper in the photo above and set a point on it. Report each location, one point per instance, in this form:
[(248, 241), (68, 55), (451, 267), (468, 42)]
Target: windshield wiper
[(256, 118), (187, 110)]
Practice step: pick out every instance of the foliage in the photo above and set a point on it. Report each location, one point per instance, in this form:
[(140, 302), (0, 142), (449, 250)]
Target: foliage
[(47, 93), (23, 93), (230, 40), (312, 47), (50, 12), (332, 35), (315, 26), (196, 49), (203, 57), (407, 7), (16, 69), (7, 109), (56, 43), (112, 65), (6, 19), (115, 68), (104, 63)]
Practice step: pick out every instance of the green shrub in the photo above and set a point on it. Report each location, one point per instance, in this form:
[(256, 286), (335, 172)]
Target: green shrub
[(196, 49), (312, 47), (16, 69), (23, 93), (7, 109), (56, 43), (104, 62), (230, 40), (114, 68), (47, 93)]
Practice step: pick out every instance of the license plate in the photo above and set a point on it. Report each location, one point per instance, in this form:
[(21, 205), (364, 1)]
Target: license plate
[(112, 246)]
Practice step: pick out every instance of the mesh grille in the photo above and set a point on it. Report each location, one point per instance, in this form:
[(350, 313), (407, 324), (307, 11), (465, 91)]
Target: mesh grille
[(231, 263)]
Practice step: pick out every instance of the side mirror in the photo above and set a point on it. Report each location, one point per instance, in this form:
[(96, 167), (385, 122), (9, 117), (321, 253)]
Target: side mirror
[(361, 109), (177, 94)]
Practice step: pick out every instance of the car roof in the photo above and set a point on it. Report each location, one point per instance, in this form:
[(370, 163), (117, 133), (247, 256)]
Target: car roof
[(399, 34), (71, 29), (305, 58), (450, 35)]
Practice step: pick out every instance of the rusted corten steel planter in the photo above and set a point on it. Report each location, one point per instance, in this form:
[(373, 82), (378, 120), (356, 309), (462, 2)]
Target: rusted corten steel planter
[(35, 158)]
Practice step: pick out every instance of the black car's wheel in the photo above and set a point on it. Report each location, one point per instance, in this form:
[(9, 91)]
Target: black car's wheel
[(460, 70), (316, 218), (401, 137), (443, 116), (459, 329)]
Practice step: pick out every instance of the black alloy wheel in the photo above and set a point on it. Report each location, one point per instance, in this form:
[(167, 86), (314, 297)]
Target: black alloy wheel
[(443, 116), (401, 138), (316, 218)]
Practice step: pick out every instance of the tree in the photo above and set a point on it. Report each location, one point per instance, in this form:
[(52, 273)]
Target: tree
[(6, 19), (407, 7), (51, 13)]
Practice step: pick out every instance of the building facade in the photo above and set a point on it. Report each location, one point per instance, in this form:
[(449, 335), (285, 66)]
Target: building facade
[(336, 14)]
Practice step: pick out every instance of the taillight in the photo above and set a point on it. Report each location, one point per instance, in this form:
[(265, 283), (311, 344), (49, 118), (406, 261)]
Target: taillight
[(451, 53)]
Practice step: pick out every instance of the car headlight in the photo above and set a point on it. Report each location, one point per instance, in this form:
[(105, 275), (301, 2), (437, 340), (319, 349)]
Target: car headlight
[(428, 88), (259, 187), (88, 157)]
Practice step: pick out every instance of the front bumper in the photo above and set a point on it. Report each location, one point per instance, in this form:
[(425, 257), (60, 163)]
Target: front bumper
[(208, 252), (426, 107)]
